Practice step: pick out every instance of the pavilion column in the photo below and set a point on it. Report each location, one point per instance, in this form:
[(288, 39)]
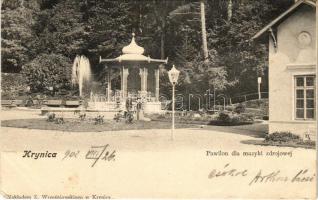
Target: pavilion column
[(143, 72), (145, 78), (109, 84), (124, 76), (157, 84)]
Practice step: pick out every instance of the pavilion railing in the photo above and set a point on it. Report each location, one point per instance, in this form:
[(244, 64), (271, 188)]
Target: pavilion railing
[(116, 96)]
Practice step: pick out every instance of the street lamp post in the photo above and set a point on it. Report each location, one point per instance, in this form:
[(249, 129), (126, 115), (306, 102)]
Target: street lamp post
[(259, 81), (206, 101), (173, 78), (214, 99)]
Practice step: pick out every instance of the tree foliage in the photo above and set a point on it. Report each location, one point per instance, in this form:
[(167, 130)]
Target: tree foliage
[(35, 30), (48, 70), (17, 21), (245, 60)]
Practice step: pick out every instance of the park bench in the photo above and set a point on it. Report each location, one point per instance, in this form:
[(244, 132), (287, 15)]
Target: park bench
[(8, 103), (211, 112), (54, 103), (72, 103), (19, 102)]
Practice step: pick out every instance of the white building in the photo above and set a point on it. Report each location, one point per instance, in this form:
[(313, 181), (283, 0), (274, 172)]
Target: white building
[(292, 70)]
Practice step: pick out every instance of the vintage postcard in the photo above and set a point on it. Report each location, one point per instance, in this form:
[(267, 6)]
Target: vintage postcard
[(174, 99)]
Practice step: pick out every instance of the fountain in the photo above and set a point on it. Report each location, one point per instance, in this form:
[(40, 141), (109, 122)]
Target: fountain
[(81, 72)]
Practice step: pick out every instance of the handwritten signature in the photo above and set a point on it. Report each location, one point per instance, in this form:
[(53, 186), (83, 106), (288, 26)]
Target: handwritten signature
[(302, 175)]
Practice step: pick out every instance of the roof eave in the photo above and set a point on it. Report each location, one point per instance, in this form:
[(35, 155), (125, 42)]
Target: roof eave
[(149, 60), (280, 17)]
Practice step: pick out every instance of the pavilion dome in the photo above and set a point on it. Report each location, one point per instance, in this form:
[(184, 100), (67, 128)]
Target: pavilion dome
[(133, 47)]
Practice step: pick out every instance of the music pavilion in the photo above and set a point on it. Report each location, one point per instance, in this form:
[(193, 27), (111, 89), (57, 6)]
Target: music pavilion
[(139, 76)]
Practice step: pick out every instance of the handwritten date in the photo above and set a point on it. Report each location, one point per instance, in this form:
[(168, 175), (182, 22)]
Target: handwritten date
[(94, 153), (97, 153)]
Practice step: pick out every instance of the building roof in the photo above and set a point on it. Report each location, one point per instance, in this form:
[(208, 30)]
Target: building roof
[(281, 17), (133, 52), (133, 47)]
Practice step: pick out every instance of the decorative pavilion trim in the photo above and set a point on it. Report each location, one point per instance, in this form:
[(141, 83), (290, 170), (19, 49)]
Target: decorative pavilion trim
[(140, 58)]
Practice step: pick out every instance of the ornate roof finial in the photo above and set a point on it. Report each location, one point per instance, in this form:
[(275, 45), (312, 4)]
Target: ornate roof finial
[(133, 48)]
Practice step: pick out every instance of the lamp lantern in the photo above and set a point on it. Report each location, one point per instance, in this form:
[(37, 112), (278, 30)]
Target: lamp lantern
[(173, 74)]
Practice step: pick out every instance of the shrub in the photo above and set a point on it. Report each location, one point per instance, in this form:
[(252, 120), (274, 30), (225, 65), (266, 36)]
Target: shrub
[(12, 85), (308, 142), (231, 119), (29, 102), (82, 116), (265, 117), (129, 117), (285, 137), (230, 108), (224, 117), (246, 117), (99, 119), (161, 117), (59, 120), (282, 137), (48, 70), (117, 116), (240, 108), (50, 117)]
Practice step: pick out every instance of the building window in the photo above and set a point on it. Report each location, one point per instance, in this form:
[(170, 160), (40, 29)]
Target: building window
[(305, 97)]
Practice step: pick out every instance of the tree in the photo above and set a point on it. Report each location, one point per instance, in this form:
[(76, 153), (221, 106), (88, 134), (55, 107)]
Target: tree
[(203, 31), (109, 27), (61, 29), (229, 10), (190, 9), (17, 23), (48, 70), (164, 28), (244, 60)]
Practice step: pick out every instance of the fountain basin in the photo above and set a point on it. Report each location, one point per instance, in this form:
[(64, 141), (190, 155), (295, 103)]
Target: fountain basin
[(108, 109)]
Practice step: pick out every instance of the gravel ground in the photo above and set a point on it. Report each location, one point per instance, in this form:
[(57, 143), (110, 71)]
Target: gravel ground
[(147, 164)]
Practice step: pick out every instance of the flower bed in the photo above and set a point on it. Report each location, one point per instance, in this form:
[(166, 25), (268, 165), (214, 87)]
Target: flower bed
[(284, 139), (88, 125), (221, 119), (278, 138), (186, 119), (232, 119)]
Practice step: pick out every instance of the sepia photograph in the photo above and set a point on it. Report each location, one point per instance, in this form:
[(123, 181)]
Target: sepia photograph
[(178, 99)]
